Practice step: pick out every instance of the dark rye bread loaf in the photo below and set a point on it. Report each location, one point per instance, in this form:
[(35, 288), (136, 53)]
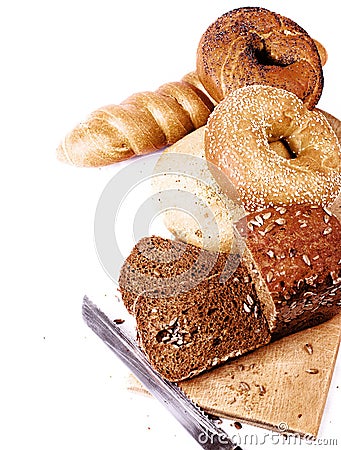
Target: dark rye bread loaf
[(293, 255), (189, 317)]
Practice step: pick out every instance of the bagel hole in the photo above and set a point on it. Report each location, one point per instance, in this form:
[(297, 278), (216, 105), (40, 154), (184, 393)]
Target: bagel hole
[(282, 148), (265, 59)]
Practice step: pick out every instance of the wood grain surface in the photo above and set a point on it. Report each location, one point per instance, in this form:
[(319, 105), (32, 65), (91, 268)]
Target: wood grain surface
[(286, 382)]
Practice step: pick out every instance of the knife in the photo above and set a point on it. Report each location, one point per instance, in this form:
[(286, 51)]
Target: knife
[(191, 417)]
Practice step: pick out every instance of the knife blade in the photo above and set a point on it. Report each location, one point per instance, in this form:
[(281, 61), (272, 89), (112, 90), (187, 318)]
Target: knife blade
[(191, 417)]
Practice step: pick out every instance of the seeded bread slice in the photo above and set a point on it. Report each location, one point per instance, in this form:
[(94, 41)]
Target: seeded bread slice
[(210, 319), (293, 255)]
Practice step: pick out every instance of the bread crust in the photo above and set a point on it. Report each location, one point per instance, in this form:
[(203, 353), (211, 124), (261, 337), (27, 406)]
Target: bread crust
[(141, 124), (212, 229), (294, 258), (256, 46), (237, 141), (186, 329)]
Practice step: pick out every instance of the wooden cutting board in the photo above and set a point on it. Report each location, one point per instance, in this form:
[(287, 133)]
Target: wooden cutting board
[(286, 382)]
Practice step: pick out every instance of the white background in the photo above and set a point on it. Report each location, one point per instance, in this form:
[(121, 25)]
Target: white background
[(60, 387)]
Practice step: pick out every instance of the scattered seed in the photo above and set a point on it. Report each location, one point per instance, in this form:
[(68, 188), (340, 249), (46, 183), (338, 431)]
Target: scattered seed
[(270, 227), (255, 222), (244, 386), (240, 367), (249, 300), (282, 210), (309, 349), (119, 321), (156, 272), (246, 308), (259, 219), (250, 226), (326, 218), (267, 216), (173, 321), (327, 231), (281, 221), (292, 252), (270, 253), (312, 371), (299, 283), (269, 276), (306, 260), (262, 390), (255, 311), (213, 417)]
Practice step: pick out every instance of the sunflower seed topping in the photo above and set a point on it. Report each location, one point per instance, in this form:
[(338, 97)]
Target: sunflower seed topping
[(244, 386), (309, 349), (262, 390), (267, 216), (270, 227), (306, 260), (312, 371), (246, 308), (259, 219), (269, 276), (327, 230), (249, 300)]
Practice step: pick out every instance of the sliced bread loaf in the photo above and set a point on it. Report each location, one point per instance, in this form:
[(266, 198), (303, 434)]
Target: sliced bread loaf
[(190, 316), (206, 322)]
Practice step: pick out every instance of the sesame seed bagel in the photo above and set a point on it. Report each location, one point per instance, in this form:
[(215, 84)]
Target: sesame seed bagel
[(255, 46), (237, 141)]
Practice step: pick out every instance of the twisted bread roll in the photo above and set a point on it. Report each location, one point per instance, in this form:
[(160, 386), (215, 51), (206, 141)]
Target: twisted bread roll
[(143, 123)]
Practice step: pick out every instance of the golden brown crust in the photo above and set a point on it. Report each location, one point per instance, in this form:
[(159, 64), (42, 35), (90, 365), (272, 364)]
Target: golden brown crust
[(322, 52), (295, 253), (256, 46), (143, 123), (237, 142)]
